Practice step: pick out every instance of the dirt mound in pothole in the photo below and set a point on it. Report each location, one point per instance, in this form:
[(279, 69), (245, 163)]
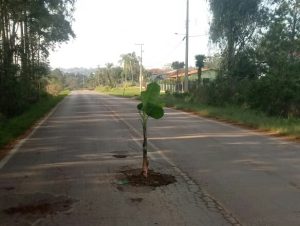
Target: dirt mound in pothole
[(155, 179)]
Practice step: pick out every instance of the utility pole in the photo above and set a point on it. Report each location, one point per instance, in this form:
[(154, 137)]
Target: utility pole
[(141, 67), (186, 71)]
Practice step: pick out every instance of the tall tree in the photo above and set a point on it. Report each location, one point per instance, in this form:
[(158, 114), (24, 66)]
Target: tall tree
[(130, 65), (278, 52), (280, 46), (27, 30), (199, 64), (233, 24), (176, 65)]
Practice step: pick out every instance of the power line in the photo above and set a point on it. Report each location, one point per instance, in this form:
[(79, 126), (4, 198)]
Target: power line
[(173, 50)]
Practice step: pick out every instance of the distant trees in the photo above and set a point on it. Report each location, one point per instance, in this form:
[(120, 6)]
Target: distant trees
[(131, 67), (54, 82), (176, 65), (27, 30), (112, 76), (109, 75), (199, 64), (233, 26), (278, 52), (72, 79), (260, 55)]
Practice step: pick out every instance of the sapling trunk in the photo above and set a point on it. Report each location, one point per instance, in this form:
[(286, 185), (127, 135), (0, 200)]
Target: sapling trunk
[(145, 166)]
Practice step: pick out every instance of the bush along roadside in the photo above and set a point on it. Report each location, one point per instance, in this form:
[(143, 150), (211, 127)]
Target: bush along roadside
[(234, 114), (130, 91), (12, 128), (254, 119)]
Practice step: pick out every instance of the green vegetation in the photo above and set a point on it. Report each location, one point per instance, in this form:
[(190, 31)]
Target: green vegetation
[(260, 56), (199, 64), (12, 128), (149, 107), (131, 67), (28, 30), (259, 65), (235, 114), (176, 65), (115, 76), (130, 91), (232, 113)]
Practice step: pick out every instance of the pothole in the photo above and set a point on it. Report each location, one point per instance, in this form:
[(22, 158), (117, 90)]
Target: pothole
[(120, 156), (134, 177), (43, 207), (8, 188), (32, 207), (136, 200)]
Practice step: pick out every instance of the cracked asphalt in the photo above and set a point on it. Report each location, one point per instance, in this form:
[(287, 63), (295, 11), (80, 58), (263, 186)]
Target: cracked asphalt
[(225, 175)]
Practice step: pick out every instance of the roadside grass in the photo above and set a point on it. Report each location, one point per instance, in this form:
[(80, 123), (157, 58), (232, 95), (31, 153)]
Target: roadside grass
[(12, 128), (244, 117), (129, 91)]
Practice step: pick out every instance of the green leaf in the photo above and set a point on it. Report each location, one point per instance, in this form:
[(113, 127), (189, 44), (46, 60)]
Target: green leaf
[(140, 106), (151, 102), (151, 94), (154, 111)]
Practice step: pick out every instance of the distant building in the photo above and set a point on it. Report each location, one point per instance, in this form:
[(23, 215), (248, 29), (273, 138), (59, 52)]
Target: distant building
[(173, 81), (207, 74), (157, 74)]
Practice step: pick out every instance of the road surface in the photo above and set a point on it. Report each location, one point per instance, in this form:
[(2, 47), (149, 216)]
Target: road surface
[(66, 172)]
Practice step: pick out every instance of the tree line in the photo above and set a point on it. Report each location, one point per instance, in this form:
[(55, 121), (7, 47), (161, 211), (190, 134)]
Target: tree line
[(28, 29), (125, 73), (259, 61), (260, 56)]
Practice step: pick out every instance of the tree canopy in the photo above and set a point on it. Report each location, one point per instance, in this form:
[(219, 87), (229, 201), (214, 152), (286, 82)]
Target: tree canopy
[(28, 29), (260, 55)]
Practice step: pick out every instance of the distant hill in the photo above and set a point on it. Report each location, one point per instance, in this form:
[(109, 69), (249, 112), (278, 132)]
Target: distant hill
[(78, 70)]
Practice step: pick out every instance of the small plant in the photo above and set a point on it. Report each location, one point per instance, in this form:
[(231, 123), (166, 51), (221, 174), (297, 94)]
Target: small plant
[(149, 107)]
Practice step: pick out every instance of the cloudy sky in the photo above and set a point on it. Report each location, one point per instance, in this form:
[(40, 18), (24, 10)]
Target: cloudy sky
[(105, 29)]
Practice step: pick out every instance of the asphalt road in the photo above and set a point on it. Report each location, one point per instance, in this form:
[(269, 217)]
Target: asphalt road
[(65, 173)]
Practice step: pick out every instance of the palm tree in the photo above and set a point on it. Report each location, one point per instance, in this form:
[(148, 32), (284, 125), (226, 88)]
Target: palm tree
[(130, 65), (199, 64), (176, 65)]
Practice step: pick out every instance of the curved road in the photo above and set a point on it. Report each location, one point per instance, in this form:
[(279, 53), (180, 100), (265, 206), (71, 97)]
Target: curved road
[(225, 175)]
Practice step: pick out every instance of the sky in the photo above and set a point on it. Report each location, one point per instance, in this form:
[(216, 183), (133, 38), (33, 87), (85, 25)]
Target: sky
[(105, 29)]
